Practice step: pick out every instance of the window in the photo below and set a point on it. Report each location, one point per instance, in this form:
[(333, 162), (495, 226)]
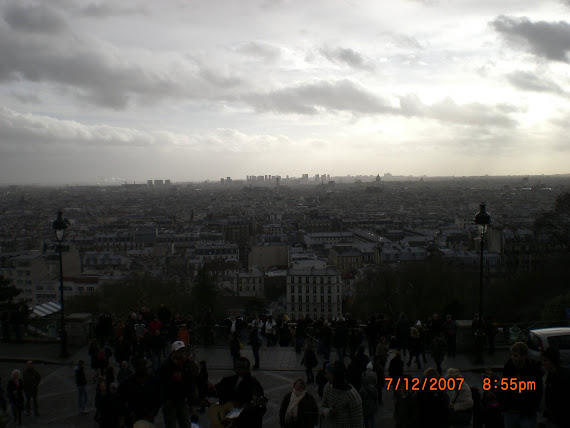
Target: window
[(322, 289), (292, 299), (314, 289), (322, 299), (292, 280), (300, 308), (314, 299), (306, 280), (307, 299), (300, 289), (329, 280), (329, 289), (307, 289), (292, 289), (39, 287), (90, 288), (80, 289), (330, 299)]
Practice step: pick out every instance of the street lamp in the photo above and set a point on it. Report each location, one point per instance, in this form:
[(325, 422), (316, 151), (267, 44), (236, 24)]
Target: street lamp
[(483, 219), (59, 225)]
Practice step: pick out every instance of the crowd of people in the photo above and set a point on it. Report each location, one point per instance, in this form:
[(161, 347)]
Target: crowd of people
[(144, 365)]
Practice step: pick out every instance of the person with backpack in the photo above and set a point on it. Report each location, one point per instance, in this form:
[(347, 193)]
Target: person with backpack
[(309, 361)]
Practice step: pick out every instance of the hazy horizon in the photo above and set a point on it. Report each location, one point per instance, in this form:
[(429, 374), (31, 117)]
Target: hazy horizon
[(193, 91)]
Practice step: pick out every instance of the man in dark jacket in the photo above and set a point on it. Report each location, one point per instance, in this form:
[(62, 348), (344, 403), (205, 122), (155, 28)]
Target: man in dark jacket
[(520, 407), (177, 376), (556, 391), (32, 379), (81, 383), (243, 390), (141, 394)]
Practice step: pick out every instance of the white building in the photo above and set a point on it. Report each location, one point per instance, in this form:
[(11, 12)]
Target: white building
[(314, 292)]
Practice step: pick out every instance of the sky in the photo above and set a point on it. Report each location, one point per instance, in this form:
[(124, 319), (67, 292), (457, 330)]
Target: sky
[(95, 91)]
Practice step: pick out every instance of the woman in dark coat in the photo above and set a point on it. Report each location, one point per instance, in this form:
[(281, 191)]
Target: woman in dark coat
[(15, 393), (298, 408), (433, 404)]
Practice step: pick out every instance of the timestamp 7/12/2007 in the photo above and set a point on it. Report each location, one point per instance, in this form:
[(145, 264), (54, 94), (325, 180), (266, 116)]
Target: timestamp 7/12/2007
[(424, 384)]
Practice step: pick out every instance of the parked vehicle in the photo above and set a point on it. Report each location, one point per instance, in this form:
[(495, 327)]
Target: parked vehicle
[(540, 339)]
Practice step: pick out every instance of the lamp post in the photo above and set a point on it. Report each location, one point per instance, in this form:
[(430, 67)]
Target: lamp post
[(483, 219), (59, 225)]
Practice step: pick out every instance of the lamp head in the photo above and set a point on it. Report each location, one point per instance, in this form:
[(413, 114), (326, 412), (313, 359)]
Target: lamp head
[(482, 218), (59, 225)]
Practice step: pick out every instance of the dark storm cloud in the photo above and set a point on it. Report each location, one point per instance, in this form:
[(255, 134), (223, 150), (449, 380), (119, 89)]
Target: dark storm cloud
[(531, 82), (96, 74), (346, 56), (35, 19), (312, 98), (549, 40)]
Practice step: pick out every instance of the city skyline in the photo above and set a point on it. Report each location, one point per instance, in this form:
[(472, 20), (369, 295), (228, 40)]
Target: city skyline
[(194, 91)]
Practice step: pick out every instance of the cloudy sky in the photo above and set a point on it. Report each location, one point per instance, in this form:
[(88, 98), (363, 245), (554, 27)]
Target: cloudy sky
[(190, 90)]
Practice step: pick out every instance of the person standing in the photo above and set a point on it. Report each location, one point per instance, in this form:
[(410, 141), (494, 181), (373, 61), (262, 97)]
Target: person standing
[(298, 408), (255, 342), (325, 337), (15, 393), (243, 390), (449, 328), (556, 412), (309, 361), (341, 402), (32, 379), (369, 394), (520, 407), (81, 383), (460, 401), (177, 376), (141, 395)]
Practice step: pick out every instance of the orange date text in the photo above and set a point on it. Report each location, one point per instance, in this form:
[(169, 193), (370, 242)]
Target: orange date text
[(424, 384)]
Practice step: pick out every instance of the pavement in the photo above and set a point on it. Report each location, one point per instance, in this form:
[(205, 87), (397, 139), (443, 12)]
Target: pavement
[(279, 367)]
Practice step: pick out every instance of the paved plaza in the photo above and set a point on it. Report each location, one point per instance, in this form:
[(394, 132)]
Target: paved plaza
[(279, 367)]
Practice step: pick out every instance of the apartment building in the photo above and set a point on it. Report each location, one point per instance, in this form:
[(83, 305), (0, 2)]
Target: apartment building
[(314, 292)]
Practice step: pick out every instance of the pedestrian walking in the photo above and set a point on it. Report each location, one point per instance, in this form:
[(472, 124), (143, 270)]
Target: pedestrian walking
[(15, 393), (298, 408), (32, 379), (81, 384)]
